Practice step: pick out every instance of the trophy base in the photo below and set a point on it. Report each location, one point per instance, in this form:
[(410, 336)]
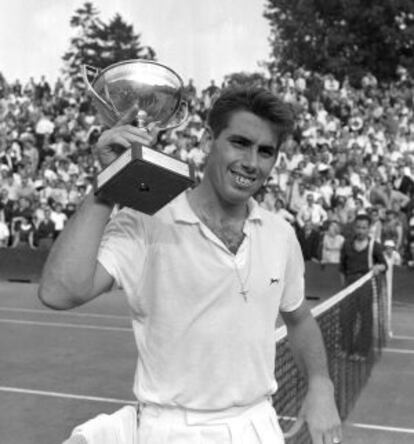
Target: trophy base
[(144, 179)]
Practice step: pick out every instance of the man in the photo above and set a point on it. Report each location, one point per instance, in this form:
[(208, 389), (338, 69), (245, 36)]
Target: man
[(204, 328), (359, 255), (309, 238), (311, 210)]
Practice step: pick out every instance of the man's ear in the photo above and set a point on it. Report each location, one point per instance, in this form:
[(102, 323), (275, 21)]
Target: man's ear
[(206, 140)]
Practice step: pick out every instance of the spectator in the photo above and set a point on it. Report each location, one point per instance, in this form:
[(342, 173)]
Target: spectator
[(23, 233), (282, 212), (392, 257), (359, 254), (309, 240), (311, 211), (46, 230), (331, 244), (59, 218), (4, 233)]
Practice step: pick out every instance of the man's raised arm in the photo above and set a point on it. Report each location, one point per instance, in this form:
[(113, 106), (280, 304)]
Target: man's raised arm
[(72, 275)]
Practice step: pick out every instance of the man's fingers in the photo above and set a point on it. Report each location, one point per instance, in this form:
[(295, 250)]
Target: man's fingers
[(295, 428), (129, 116)]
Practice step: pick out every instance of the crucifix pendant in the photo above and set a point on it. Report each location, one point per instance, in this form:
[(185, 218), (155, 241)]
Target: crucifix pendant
[(244, 293)]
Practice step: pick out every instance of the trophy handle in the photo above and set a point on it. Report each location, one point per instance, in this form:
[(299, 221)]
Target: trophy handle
[(86, 70), (183, 106)]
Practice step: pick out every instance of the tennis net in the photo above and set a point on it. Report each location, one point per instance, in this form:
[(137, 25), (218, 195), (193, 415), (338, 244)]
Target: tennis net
[(353, 326)]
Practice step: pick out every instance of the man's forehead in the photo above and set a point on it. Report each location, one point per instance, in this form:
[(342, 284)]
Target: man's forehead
[(252, 127)]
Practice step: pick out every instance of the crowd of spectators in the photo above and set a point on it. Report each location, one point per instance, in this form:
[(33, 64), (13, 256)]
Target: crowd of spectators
[(352, 152)]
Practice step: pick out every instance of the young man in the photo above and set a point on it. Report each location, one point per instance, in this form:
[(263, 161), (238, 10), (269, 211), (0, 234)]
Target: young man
[(205, 278), (359, 254)]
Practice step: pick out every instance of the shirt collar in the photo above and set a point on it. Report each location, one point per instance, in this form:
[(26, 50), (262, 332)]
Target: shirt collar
[(182, 212)]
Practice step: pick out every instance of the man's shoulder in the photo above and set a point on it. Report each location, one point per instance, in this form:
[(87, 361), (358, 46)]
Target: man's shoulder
[(274, 220)]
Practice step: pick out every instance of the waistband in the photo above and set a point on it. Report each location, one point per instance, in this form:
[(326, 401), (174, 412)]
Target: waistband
[(199, 417)]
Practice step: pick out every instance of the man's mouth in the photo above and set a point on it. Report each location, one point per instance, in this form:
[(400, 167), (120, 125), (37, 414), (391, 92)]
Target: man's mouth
[(242, 180)]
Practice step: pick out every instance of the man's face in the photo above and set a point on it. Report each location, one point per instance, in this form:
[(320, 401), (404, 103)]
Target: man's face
[(361, 229), (310, 199), (241, 157)]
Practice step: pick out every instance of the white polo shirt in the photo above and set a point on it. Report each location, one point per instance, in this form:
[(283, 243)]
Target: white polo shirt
[(201, 345)]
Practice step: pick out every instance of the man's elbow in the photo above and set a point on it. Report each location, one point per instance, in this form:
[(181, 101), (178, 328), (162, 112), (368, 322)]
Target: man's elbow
[(57, 297)]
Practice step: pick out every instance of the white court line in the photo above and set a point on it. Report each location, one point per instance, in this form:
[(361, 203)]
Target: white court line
[(406, 338), (62, 313), (382, 428), (127, 401), (362, 426), (398, 350), (57, 324), (64, 395)]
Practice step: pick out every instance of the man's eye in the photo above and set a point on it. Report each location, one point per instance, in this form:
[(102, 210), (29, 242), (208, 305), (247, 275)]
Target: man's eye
[(238, 142), (267, 152)]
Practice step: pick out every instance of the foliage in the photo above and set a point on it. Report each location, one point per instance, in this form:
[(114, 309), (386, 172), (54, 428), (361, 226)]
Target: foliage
[(245, 79), (100, 44), (343, 37)]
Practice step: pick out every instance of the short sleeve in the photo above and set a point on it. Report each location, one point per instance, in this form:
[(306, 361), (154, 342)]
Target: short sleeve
[(294, 289), (123, 247)]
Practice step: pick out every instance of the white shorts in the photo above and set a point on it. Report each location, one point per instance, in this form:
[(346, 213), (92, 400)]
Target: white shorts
[(256, 424)]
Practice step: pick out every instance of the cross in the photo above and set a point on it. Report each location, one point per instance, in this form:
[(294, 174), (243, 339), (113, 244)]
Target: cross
[(244, 294)]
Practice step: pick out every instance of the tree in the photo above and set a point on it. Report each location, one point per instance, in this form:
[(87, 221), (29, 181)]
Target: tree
[(100, 44), (245, 79), (343, 37)]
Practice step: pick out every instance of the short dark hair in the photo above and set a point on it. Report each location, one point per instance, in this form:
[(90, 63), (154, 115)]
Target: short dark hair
[(256, 100), (363, 217)]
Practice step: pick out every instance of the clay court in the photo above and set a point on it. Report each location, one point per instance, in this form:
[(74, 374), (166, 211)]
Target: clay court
[(59, 369)]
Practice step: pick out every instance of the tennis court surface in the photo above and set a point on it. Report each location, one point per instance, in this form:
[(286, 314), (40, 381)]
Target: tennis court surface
[(58, 369)]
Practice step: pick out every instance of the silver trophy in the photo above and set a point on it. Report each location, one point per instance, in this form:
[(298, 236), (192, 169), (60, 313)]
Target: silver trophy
[(156, 89), (141, 178)]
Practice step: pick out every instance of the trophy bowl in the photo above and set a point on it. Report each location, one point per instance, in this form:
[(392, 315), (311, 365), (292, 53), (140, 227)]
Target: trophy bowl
[(154, 88)]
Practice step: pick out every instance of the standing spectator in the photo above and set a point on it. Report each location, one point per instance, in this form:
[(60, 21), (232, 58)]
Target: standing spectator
[(279, 208), (311, 211), (59, 218), (23, 232), (331, 244), (6, 207), (392, 229), (392, 257), (359, 254), (309, 240), (375, 231), (4, 232), (46, 230)]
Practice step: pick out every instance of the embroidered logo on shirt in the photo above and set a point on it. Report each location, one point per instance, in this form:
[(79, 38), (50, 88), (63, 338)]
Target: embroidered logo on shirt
[(274, 281)]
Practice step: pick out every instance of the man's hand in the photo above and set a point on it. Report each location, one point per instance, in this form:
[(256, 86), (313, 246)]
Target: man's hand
[(114, 141), (378, 269), (320, 412)]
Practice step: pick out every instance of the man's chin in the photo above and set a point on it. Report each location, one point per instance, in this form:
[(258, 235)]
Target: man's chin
[(240, 195)]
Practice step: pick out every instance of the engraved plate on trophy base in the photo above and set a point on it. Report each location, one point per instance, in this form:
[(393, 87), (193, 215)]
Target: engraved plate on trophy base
[(144, 179)]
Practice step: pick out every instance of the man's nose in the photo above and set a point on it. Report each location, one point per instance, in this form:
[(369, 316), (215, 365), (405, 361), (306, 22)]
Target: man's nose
[(250, 159)]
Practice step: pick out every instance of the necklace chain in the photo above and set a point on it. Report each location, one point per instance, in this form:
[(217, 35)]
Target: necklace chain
[(244, 290)]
